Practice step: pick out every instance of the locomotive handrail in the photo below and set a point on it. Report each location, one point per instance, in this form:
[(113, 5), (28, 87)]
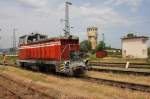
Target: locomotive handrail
[(63, 51)]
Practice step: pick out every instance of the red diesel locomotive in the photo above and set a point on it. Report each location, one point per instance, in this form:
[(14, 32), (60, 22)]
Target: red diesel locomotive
[(59, 54)]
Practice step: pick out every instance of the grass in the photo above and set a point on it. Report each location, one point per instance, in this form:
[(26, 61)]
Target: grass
[(117, 60), (10, 59), (73, 88), (121, 77)]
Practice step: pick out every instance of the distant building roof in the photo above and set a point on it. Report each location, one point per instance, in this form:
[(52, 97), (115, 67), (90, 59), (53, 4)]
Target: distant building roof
[(135, 37)]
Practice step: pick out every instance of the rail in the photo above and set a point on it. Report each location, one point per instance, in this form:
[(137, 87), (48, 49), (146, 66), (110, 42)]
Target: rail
[(120, 84), (120, 71)]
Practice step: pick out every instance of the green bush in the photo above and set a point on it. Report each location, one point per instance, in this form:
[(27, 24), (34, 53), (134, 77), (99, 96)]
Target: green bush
[(85, 46), (101, 46)]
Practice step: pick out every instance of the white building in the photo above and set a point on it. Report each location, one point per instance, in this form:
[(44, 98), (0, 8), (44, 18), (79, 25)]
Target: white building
[(135, 47)]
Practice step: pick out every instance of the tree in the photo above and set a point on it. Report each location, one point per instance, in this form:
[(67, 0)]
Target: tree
[(108, 47), (130, 35), (101, 46), (85, 46)]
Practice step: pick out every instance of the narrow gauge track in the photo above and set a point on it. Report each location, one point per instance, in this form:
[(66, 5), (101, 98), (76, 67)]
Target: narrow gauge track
[(33, 91), (132, 65), (120, 84), (118, 63), (120, 71)]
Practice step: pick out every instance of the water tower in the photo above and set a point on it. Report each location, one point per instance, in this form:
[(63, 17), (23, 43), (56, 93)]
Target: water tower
[(92, 33)]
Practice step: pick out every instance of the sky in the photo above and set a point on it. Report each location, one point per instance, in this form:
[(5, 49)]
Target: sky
[(114, 18)]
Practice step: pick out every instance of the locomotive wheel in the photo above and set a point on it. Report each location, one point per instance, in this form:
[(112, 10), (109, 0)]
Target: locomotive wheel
[(79, 72), (22, 64), (47, 68)]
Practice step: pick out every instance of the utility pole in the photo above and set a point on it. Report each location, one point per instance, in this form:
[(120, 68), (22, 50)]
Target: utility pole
[(103, 40), (14, 41), (103, 35), (67, 24), (0, 35)]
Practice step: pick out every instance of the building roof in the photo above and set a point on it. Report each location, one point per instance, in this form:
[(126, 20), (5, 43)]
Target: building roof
[(135, 37)]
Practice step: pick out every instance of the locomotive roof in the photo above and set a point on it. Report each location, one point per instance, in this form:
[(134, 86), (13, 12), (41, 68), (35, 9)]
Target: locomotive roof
[(60, 38), (53, 38), (33, 34), (50, 39)]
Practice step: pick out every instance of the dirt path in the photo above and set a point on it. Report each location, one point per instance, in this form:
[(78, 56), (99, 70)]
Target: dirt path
[(10, 89), (7, 94)]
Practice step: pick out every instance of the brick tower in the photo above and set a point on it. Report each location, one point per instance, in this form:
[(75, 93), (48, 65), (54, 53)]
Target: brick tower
[(92, 36)]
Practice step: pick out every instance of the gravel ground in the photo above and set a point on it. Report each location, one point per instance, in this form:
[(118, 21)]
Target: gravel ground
[(10, 89), (57, 87)]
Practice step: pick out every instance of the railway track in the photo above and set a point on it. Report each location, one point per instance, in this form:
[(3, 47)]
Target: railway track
[(98, 62), (121, 71), (20, 91), (120, 84), (134, 68), (121, 65)]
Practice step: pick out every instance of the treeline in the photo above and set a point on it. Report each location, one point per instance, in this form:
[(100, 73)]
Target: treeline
[(85, 46)]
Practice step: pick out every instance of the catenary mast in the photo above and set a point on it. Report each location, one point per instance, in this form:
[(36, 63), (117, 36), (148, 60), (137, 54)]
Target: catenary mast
[(67, 24)]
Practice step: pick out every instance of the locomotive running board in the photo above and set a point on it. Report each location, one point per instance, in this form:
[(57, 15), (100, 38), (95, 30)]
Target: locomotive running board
[(39, 61)]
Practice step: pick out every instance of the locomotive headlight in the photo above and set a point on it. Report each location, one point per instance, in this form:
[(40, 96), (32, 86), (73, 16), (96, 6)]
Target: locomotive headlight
[(86, 61), (67, 63)]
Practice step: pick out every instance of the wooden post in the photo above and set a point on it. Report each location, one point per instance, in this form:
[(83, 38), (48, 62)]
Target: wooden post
[(4, 58), (127, 65)]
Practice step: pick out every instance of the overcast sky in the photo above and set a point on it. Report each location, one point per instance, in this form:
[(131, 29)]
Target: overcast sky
[(114, 18)]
